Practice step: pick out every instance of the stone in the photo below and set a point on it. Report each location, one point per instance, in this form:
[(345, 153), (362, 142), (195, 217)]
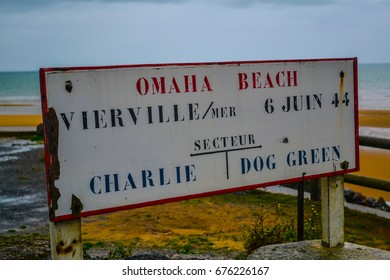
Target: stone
[(348, 194), (358, 198), (382, 205), (369, 201), (313, 250)]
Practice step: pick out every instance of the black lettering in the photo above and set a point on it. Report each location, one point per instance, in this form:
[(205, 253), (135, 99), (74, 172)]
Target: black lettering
[(134, 116), (197, 145), (116, 114), (65, 119)]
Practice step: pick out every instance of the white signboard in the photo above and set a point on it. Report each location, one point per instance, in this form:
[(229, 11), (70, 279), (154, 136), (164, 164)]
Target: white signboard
[(130, 136)]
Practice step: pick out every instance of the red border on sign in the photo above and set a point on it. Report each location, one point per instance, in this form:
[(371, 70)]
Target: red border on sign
[(48, 157)]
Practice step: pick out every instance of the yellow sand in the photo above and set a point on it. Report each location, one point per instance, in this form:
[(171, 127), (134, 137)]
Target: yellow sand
[(373, 163), (374, 118), (20, 120)]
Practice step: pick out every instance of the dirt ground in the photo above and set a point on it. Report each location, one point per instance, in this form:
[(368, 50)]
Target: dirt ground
[(23, 197), (24, 227)]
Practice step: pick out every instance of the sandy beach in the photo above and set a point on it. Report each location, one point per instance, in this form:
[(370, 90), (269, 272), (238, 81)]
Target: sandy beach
[(374, 162), (374, 118), (20, 120), (15, 115)]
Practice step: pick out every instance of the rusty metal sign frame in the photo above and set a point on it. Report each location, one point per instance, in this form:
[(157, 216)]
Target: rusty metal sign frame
[(57, 123)]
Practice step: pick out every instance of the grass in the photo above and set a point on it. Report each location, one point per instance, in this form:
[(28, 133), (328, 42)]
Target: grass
[(31, 136), (217, 223), (32, 246), (367, 229)]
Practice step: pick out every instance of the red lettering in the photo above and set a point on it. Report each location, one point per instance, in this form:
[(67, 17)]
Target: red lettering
[(161, 85), (158, 85), (292, 81), (268, 82), (206, 85), (242, 83), (174, 86), (187, 83), (278, 79), (256, 79), (142, 86)]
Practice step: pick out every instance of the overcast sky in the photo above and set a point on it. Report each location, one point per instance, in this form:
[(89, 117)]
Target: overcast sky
[(45, 33)]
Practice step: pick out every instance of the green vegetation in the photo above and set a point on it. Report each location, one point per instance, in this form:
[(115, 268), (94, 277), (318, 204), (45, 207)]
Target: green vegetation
[(191, 244), (120, 252), (24, 246), (266, 231), (32, 136)]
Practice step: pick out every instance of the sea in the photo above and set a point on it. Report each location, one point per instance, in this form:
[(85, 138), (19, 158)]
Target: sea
[(374, 86)]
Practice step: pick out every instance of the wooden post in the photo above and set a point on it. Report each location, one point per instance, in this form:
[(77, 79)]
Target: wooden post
[(332, 211), (66, 240)]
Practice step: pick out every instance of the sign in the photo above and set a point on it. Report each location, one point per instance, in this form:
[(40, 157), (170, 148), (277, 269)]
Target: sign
[(123, 137)]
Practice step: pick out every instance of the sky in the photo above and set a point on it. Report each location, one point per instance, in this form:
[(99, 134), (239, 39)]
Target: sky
[(63, 33)]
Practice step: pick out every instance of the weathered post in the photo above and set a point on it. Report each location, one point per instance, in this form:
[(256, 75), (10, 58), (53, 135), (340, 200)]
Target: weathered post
[(332, 211), (66, 240)]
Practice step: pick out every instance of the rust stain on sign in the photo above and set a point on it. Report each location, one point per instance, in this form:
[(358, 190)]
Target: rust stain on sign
[(64, 248), (51, 128), (342, 85)]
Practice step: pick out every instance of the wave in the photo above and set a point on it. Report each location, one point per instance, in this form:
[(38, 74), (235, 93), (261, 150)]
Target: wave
[(10, 148), (19, 99), (374, 99)]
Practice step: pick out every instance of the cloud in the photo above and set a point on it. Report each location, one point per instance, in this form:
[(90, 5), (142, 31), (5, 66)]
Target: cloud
[(102, 32), (27, 5)]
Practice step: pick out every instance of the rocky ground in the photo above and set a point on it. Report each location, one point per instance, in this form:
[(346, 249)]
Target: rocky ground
[(23, 197), (23, 202), (359, 199)]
